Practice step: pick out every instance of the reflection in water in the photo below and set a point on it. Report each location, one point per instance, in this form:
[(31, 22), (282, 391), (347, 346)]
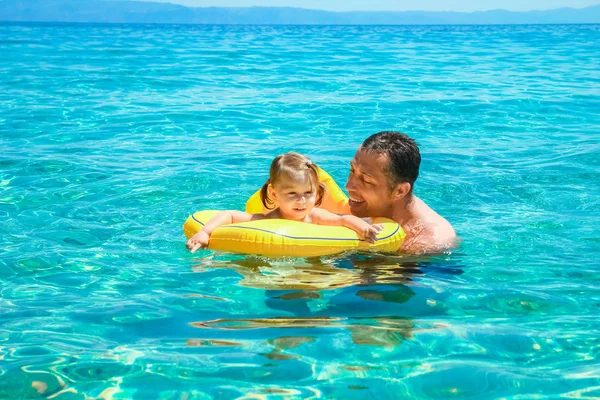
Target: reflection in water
[(284, 343), (400, 295), (362, 293), (212, 343), (374, 331), (259, 323), (390, 331), (203, 296), (317, 273)]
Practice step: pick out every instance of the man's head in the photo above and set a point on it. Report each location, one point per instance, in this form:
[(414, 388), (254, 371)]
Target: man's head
[(382, 173)]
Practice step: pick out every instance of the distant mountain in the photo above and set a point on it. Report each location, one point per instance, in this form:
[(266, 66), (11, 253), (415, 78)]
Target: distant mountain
[(147, 12)]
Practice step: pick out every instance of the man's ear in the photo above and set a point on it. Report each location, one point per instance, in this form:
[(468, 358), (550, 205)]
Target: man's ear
[(401, 191)]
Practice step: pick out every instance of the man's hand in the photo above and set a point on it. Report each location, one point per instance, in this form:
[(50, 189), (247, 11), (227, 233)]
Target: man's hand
[(198, 241), (370, 234)]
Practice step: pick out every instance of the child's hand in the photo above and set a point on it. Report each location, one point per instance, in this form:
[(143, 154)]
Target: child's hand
[(370, 234), (198, 241)]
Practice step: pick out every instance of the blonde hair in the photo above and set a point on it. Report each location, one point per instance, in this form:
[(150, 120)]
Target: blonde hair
[(291, 163)]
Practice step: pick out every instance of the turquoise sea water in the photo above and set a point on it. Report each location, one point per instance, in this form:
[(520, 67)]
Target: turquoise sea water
[(111, 135)]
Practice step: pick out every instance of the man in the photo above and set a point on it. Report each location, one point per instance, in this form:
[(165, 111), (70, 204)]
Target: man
[(382, 175)]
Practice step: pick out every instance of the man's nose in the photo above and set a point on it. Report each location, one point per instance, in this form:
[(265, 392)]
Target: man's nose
[(350, 183)]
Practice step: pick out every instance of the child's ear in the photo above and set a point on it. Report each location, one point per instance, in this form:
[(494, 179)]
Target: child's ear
[(271, 192)]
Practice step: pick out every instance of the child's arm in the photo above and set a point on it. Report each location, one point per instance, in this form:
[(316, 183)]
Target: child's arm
[(200, 239), (364, 230)]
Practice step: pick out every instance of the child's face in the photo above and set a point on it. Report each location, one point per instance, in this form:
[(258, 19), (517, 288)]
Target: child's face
[(295, 196)]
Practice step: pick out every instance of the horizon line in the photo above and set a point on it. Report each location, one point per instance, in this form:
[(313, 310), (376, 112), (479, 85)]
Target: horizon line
[(12, 22), (350, 11), (360, 11)]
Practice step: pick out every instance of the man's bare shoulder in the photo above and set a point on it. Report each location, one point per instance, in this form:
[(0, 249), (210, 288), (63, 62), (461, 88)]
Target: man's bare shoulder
[(429, 232), (441, 230), (429, 239)]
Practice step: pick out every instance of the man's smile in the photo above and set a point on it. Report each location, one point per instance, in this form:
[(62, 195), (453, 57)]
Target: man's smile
[(355, 201)]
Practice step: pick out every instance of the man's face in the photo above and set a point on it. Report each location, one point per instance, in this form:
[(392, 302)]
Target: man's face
[(368, 185)]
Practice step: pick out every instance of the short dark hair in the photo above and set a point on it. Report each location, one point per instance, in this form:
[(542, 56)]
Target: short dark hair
[(401, 150)]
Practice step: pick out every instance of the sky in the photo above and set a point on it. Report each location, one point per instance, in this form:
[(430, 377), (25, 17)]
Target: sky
[(395, 5)]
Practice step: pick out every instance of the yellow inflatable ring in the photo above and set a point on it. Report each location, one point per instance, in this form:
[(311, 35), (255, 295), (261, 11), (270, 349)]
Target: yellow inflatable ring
[(335, 199), (284, 238)]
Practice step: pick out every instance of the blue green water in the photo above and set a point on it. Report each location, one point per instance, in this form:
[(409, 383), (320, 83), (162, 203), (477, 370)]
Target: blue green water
[(112, 135)]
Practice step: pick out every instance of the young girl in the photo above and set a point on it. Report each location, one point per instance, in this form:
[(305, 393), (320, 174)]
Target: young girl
[(292, 192)]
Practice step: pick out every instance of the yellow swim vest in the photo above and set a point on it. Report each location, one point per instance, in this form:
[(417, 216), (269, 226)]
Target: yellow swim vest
[(284, 238)]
